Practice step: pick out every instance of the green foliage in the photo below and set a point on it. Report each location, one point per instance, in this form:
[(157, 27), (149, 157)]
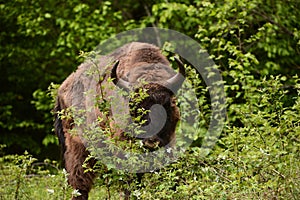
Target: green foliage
[(255, 45), (39, 45), (264, 33), (257, 160), (22, 177)]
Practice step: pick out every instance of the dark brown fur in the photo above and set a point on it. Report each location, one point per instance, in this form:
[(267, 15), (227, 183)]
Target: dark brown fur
[(137, 60)]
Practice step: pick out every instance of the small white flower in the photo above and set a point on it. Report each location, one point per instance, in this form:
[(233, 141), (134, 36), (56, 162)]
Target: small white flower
[(264, 152), (76, 193), (51, 191), (137, 193), (169, 150), (141, 143)]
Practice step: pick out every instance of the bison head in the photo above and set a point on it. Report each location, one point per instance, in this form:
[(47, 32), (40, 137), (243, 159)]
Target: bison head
[(161, 112)]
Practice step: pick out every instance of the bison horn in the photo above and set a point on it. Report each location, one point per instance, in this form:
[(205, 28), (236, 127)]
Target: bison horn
[(119, 82), (175, 82)]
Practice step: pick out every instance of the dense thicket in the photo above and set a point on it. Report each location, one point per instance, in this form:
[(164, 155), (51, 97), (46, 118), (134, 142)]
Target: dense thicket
[(40, 44), (254, 43)]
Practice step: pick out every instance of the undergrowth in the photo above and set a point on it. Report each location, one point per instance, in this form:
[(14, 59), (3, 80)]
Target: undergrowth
[(257, 157)]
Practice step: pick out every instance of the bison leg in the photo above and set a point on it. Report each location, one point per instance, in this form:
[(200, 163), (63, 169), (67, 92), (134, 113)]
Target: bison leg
[(75, 156)]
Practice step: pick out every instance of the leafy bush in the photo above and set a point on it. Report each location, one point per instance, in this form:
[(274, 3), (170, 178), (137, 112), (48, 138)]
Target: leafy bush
[(255, 45), (22, 177), (258, 159)]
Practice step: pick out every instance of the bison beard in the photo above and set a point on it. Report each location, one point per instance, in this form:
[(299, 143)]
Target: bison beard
[(135, 61)]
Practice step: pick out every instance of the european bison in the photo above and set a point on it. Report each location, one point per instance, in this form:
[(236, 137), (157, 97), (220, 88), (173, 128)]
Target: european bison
[(126, 67)]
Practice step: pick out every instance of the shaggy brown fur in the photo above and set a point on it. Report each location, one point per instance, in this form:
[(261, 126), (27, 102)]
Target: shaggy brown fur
[(136, 61)]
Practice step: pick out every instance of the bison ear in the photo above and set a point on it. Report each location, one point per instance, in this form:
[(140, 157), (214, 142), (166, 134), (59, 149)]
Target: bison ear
[(119, 81), (175, 82)]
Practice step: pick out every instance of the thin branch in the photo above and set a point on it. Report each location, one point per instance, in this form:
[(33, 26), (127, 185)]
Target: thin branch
[(217, 171), (153, 25), (283, 28), (277, 172)]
